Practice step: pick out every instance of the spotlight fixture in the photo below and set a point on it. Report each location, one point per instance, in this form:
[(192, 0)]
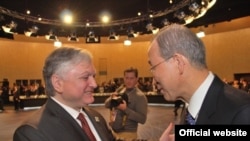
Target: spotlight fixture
[(3, 34), (195, 7), (113, 35), (10, 28), (92, 38), (184, 18), (73, 37), (188, 19), (180, 15), (165, 22), (131, 33), (51, 36), (31, 32), (151, 29), (192, 8)]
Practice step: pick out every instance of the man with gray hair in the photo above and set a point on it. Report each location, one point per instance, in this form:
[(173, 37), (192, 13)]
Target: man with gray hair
[(69, 76), (178, 63)]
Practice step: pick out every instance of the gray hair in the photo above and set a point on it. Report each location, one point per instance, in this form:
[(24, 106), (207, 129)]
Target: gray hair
[(60, 61), (179, 39)]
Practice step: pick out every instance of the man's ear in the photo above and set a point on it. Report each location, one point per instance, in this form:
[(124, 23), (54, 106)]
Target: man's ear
[(57, 83), (181, 62)]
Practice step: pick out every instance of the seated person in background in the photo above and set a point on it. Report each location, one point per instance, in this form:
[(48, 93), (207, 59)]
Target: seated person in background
[(127, 113), (16, 96), (69, 77), (32, 89), (1, 102), (40, 89), (244, 85)]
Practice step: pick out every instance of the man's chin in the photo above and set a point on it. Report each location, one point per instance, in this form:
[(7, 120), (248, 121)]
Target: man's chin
[(167, 96)]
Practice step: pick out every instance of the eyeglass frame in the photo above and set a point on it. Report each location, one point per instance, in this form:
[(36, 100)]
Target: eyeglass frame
[(152, 68)]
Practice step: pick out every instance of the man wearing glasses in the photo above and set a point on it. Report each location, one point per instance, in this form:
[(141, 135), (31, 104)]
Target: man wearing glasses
[(178, 64)]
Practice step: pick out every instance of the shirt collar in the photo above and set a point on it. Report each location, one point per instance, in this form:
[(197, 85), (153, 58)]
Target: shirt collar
[(70, 110), (199, 95)]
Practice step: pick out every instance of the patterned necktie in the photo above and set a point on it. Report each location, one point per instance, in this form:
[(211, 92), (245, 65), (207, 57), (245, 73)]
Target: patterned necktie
[(85, 127), (189, 119)]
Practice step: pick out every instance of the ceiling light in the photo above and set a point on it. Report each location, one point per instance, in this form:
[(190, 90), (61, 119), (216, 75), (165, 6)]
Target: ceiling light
[(105, 19), (200, 34), (28, 12), (127, 42), (188, 5), (66, 16), (57, 44), (68, 19)]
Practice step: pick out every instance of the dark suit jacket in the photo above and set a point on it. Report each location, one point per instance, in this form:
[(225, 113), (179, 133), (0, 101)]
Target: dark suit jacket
[(53, 123), (224, 104)]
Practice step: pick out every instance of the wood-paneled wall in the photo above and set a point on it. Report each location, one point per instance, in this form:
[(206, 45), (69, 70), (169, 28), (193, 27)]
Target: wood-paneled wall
[(227, 53)]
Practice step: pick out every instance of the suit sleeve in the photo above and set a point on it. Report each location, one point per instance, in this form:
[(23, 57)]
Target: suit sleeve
[(242, 117), (139, 114), (27, 133)]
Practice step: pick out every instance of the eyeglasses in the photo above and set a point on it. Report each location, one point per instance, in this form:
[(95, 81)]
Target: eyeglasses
[(153, 67)]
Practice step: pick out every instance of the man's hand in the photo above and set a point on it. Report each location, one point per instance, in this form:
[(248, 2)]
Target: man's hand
[(122, 106), (167, 136), (114, 94)]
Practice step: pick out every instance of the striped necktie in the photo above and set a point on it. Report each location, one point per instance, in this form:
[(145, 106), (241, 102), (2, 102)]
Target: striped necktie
[(86, 127)]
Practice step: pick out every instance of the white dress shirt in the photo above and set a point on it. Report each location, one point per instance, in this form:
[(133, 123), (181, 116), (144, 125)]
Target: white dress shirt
[(75, 114), (199, 95)]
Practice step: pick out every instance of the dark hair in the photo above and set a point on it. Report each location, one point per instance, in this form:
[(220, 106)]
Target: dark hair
[(131, 69)]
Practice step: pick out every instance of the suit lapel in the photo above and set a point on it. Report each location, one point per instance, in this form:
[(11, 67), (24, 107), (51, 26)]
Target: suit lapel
[(96, 121), (210, 102), (65, 118)]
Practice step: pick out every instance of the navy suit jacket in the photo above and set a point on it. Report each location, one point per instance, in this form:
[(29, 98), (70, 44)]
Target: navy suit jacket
[(224, 104), (53, 123)]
